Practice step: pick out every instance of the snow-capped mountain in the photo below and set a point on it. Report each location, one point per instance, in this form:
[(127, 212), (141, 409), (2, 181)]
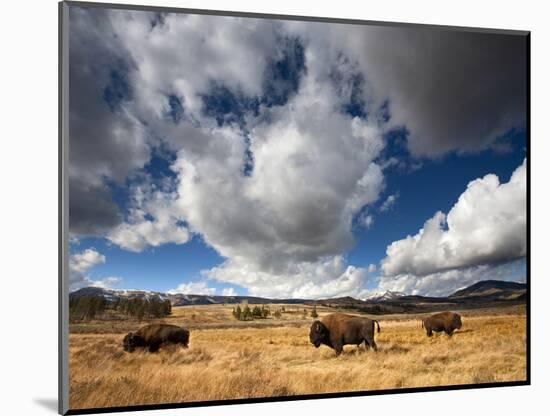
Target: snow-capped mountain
[(386, 296), (112, 295), (177, 299), (481, 292)]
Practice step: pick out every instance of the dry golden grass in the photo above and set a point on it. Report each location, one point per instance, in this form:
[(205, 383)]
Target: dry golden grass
[(264, 361)]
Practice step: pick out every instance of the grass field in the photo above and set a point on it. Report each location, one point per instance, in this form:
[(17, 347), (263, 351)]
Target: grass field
[(229, 359)]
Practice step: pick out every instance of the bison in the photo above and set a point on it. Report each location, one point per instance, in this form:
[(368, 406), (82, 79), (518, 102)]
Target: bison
[(153, 335), (443, 321), (339, 329)]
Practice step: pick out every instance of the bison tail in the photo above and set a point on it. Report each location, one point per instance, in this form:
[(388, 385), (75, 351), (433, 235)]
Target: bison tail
[(378, 325)]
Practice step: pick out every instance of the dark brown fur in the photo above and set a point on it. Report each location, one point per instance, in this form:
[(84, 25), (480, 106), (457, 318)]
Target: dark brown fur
[(153, 335), (339, 329), (443, 321)]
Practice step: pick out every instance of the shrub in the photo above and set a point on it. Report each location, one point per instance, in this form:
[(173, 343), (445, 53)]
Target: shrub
[(247, 314), (256, 312), (314, 313), (238, 313)]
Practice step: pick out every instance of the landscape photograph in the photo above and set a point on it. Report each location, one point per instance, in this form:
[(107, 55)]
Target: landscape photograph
[(265, 208)]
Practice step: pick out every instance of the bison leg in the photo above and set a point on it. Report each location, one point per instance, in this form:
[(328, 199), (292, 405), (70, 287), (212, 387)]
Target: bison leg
[(338, 348), (368, 336), (154, 347), (429, 332), (373, 345), (369, 342)]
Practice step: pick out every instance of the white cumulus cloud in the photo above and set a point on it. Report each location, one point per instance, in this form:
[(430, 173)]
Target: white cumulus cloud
[(326, 277), (194, 288), (229, 291), (389, 202), (80, 266), (487, 225), (106, 282), (366, 220), (314, 169), (153, 220)]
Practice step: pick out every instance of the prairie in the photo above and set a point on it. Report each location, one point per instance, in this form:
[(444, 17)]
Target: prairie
[(230, 359)]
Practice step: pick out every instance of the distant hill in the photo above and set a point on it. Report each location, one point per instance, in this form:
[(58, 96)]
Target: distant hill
[(113, 294), (481, 294), (341, 302), (177, 299), (495, 289)]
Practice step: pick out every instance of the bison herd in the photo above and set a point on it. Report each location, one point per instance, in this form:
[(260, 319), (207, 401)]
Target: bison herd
[(334, 330)]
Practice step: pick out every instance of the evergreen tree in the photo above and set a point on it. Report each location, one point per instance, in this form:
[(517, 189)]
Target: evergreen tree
[(91, 309), (247, 314), (314, 313), (154, 308), (256, 312), (94, 307), (238, 313), (101, 304), (140, 310), (122, 305), (167, 307)]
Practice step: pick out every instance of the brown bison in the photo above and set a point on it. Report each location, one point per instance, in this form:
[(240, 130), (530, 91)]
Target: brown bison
[(339, 329), (443, 321), (153, 335)]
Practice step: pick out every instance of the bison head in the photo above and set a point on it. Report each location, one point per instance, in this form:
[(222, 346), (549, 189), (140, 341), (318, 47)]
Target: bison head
[(318, 333), (131, 341)]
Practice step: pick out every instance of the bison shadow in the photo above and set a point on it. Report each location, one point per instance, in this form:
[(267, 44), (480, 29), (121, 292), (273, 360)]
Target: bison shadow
[(396, 348), (443, 335), (465, 331), (350, 351)]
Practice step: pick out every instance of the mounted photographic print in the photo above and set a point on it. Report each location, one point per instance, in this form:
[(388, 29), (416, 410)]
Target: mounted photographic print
[(264, 208)]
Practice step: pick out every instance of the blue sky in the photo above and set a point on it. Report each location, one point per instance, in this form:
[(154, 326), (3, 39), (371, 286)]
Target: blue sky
[(284, 159), (160, 268), (435, 186)]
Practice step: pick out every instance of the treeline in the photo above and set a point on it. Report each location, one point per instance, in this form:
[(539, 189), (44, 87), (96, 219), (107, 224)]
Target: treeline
[(87, 307), (247, 314), (279, 312), (96, 307)]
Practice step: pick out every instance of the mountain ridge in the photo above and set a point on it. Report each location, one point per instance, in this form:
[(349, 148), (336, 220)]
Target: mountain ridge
[(387, 295), (482, 291)]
